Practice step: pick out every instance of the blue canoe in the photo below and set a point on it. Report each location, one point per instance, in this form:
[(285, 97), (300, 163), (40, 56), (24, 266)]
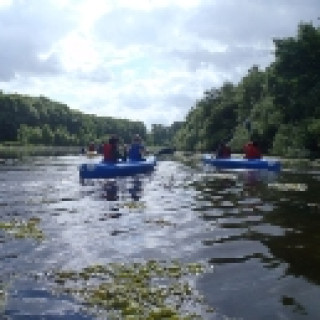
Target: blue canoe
[(238, 163), (103, 170)]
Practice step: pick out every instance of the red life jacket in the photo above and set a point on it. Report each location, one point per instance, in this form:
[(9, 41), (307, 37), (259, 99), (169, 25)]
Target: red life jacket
[(226, 152), (251, 151), (223, 152), (108, 152)]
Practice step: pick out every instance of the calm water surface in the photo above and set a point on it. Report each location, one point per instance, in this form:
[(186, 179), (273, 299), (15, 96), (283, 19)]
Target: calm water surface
[(258, 233)]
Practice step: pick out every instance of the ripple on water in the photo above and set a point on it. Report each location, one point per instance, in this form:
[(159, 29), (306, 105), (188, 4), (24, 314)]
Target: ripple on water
[(251, 234)]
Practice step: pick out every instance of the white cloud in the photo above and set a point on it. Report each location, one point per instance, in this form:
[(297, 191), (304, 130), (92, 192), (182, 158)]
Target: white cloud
[(5, 3), (146, 60)]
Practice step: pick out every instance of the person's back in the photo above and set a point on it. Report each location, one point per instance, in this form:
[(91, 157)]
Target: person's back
[(91, 147), (223, 151), (110, 153), (226, 152), (136, 150), (251, 151)]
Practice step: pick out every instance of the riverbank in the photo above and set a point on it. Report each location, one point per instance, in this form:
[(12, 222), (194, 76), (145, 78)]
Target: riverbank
[(13, 151)]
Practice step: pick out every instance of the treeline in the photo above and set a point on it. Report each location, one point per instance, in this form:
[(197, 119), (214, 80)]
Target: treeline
[(279, 106), (161, 135), (26, 120), (39, 120)]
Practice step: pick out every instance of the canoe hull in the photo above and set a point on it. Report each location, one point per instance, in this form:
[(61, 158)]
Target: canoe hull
[(235, 163), (103, 170)]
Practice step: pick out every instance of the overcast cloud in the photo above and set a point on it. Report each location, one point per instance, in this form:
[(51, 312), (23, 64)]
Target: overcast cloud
[(146, 60)]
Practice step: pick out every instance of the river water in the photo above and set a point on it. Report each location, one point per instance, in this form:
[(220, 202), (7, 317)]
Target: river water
[(256, 232)]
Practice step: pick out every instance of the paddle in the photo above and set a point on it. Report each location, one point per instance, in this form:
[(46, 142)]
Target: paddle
[(166, 150), (247, 125)]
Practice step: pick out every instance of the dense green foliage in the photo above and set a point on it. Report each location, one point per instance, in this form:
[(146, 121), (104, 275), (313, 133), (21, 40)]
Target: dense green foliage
[(279, 107), (161, 135), (38, 120), (281, 104)]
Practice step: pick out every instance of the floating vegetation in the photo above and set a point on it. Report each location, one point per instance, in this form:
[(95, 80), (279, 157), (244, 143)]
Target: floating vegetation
[(23, 229), (288, 186), (2, 297), (133, 205), (160, 222), (222, 176), (150, 290)]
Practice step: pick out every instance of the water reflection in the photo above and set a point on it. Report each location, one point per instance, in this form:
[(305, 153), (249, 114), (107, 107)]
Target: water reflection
[(136, 189), (298, 213), (260, 236), (116, 189), (253, 225), (249, 177), (110, 190), (254, 177)]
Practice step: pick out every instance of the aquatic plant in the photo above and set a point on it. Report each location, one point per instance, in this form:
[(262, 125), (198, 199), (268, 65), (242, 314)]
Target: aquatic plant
[(161, 222), (2, 297), (288, 186), (151, 290), (23, 229), (133, 205)]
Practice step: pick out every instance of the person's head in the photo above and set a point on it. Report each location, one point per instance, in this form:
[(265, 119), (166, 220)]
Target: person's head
[(254, 137), (136, 138), (113, 140), (221, 144)]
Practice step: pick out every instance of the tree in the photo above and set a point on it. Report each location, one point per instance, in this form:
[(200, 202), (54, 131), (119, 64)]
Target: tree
[(47, 135), (297, 65), (41, 120)]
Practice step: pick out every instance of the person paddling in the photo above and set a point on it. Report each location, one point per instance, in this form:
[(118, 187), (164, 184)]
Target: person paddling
[(110, 150), (223, 151), (252, 151), (91, 147), (137, 149)]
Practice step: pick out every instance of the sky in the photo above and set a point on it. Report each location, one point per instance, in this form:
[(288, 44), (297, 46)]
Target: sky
[(145, 60)]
